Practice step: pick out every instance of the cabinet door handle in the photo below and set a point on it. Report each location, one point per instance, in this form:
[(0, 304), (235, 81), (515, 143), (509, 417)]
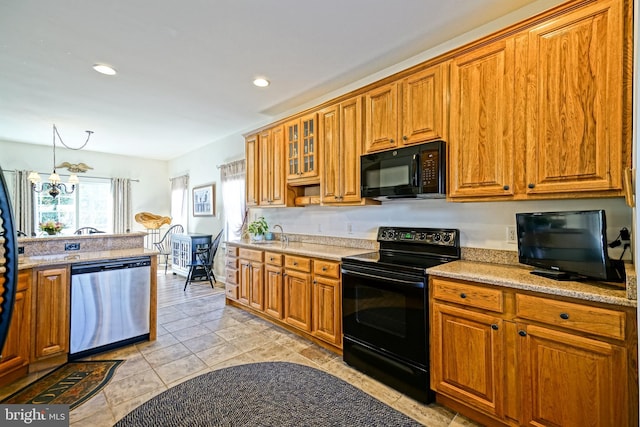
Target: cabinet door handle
[(391, 140), (405, 137), (522, 333), (463, 295), (494, 327), (531, 185), (564, 316), (505, 188)]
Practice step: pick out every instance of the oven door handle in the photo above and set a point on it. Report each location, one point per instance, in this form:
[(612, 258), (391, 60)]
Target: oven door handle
[(408, 283)]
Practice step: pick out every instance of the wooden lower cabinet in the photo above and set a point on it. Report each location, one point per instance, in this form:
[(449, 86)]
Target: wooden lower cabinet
[(507, 357), (327, 302), (297, 299), (50, 314), (467, 361), (273, 285), (569, 380), (15, 353), (302, 294)]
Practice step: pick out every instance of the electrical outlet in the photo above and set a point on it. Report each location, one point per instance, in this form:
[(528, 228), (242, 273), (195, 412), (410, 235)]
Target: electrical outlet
[(20, 250), (512, 236), (349, 228), (72, 246)]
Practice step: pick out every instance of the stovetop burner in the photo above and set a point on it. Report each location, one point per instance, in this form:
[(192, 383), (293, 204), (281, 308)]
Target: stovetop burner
[(411, 248)]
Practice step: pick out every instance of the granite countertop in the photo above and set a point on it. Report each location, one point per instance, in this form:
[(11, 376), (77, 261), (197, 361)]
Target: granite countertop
[(519, 277), (314, 250), (25, 262)]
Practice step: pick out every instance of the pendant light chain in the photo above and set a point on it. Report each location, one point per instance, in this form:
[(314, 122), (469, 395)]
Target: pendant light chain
[(55, 132)]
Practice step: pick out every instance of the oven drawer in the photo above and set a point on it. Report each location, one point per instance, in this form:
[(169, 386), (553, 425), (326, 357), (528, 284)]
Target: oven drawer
[(583, 318), (250, 254), (468, 295), (273, 258), (297, 263), (326, 268)]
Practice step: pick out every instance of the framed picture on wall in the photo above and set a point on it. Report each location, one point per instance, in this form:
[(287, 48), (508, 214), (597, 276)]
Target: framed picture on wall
[(204, 200)]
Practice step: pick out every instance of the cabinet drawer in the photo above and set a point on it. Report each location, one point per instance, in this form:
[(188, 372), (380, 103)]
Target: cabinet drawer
[(231, 251), (231, 276), (297, 263), (231, 263), (273, 258), (231, 291), (468, 295), (326, 268), (251, 254), (579, 317)]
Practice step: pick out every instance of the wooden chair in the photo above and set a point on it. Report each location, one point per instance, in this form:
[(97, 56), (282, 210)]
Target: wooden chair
[(202, 267), (164, 245)]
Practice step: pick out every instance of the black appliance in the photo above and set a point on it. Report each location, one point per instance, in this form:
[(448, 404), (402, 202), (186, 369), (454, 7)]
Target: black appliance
[(385, 306), (416, 171), (569, 245)]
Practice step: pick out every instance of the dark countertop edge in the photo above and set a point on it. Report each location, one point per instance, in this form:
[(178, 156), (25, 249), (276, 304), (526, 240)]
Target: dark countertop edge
[(519, 277), (63, 259)]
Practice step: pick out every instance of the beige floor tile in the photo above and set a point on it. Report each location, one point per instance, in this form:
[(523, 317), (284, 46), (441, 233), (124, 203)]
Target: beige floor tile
[(167, 354), (203, 342), (180, 368), (118, 392), (219, 353)]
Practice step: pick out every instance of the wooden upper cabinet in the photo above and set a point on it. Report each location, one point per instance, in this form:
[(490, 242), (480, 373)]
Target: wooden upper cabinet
[(302, 150), (575, 102), (272, 182), (381, 121), (340, 130), (424, 105), (252, 185), (481, 135)]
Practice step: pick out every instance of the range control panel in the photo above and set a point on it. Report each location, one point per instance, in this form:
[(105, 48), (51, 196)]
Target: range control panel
[(432, 236)]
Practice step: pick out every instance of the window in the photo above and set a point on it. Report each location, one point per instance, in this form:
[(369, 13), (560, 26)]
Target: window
[(88, 206)]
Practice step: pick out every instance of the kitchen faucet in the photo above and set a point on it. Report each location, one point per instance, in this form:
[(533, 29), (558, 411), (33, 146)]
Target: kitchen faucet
[(284, 239)]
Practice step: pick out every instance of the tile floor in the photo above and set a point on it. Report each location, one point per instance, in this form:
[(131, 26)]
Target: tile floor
[(197, 333)]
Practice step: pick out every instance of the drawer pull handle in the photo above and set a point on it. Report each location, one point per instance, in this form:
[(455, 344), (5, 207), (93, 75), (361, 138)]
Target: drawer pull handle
[(295, 263), (270, 258), (463, 295), (494, 327), (324, 268), (564, 316), (522, 333)]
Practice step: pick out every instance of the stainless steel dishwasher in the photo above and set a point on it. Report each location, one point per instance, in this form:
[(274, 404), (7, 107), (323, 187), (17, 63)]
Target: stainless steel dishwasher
[(110, 303)]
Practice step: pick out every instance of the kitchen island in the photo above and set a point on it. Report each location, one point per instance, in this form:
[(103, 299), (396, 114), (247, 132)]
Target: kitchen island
[(39, 334)]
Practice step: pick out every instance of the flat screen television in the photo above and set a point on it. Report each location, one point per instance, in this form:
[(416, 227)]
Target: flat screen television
[(568, 245)]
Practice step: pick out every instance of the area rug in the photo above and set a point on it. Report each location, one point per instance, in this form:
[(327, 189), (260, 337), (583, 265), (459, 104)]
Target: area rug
[(264, 394), (71, 384)]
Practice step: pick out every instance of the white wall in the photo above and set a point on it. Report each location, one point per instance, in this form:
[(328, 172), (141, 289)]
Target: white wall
[(150, 194), (202, 167)]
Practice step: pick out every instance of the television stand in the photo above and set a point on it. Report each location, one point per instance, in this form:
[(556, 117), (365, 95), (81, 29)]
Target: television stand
[(558, 275)]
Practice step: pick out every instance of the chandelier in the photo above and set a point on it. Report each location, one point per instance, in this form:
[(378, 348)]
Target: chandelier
[(55, 186)]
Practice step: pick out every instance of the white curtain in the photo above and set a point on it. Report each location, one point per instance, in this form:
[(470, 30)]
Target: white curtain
[(23, 203), (121, 191), (180, 201), (233, 178)]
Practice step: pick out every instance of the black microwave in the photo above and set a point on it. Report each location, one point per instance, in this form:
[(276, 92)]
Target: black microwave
[(417, 171)]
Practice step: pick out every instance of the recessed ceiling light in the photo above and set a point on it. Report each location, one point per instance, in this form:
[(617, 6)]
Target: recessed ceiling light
[(260, 82), (104, 69)]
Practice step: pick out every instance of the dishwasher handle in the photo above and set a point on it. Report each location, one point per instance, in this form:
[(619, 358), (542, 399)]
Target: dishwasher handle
[(92, 267)]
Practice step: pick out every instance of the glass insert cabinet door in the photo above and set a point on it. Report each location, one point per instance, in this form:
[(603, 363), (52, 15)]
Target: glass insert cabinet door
[(301, 147)]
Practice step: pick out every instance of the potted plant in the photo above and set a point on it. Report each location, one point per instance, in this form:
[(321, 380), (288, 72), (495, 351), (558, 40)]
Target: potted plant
[(51, 227), (258, 228)]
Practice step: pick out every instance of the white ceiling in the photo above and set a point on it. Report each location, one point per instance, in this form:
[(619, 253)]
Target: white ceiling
[(185, 67)]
